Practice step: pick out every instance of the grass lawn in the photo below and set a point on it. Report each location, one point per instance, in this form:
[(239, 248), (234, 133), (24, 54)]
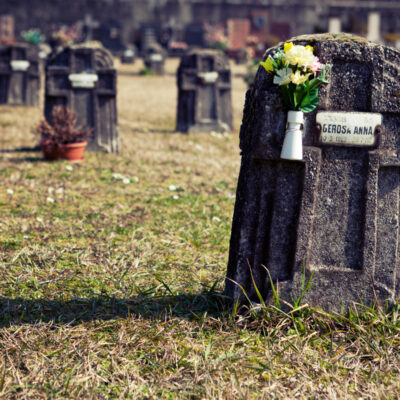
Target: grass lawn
[(112, 274)]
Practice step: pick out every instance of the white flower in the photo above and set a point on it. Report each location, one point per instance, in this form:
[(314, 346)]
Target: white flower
[(216, 219), (300, 56), (10, 191), (175, 197), (69, 168), (283, 76), (172, 188), (216, 134), (124, 179), (50, 200)]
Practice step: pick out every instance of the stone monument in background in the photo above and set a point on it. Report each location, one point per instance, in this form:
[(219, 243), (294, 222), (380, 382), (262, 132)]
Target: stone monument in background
[(19, 75), (83, 78), (336, 212), (154, 59), (204, 92)]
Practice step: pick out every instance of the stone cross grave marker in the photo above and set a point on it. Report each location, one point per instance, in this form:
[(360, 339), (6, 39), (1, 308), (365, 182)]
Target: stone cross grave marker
[(83, 78), (204, 92), (19, 75), (337, 211)]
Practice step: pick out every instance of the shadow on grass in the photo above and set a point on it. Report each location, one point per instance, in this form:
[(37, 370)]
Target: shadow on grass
[(142, 74), (187, 306), (26, 159), (21, 150), (161, 130), (35, 149)]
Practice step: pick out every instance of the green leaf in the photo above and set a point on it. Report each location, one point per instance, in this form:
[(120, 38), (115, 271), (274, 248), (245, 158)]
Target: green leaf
[(310, 101), (299, 94), (287, 97), (314, 93), (310, 106), (314, 83), (306, 100)]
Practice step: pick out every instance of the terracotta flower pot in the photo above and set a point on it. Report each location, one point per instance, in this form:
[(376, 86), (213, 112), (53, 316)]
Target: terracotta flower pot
[(50, 150), (72, 151)]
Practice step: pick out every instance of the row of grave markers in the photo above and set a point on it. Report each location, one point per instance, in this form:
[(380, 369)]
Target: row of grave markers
[(83, 78), (334, 215)]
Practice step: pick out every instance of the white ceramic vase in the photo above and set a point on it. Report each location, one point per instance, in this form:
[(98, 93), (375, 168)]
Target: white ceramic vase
[(292, 148)]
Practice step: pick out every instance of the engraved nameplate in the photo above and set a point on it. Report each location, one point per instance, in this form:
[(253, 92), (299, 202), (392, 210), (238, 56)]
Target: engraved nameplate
[(84, 81), (156, 57), (19, 65), (348, 128), (208, 77)]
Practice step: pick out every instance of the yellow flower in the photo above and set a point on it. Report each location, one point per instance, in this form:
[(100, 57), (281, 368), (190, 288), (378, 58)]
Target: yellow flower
[(287, 46), (298, 78), (300, 56), (310, 48), (268, 64)]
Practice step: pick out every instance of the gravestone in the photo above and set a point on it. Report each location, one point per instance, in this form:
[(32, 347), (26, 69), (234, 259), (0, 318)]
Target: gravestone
[(148, 37), (336, 212), (19, 75), (110, 37), (83, 78), (195, 35), (154, 59), (204, 92), (7, 25), (129, 54)]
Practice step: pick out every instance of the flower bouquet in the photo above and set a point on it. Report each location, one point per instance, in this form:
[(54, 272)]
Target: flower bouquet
[(299, 74), (32, 36)]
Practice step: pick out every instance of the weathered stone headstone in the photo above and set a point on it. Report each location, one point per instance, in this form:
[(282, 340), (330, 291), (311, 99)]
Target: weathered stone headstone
[(110, 37), (83, 78), (148, 37), (154, 59), (204, 92), (7, 25), (129, 54), (195, 35), (337, 211), (19, 75)]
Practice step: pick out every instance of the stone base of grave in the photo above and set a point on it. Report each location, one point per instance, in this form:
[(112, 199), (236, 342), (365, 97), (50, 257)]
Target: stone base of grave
[(217, 126)]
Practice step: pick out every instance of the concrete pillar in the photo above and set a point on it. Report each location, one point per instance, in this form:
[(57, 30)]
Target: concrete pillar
[(185, 13), (335, 25), (374, 27)]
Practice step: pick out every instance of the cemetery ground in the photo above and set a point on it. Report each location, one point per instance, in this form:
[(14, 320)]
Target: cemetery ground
[(112, 274)]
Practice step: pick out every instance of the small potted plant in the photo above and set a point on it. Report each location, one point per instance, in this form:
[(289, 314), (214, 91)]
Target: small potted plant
[(63, 138)]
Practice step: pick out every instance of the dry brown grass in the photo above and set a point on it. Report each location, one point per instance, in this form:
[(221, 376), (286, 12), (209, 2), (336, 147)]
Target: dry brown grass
[(114, 290)]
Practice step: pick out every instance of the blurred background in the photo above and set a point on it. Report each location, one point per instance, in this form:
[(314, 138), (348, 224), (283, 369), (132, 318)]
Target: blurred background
[(243, 29)]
